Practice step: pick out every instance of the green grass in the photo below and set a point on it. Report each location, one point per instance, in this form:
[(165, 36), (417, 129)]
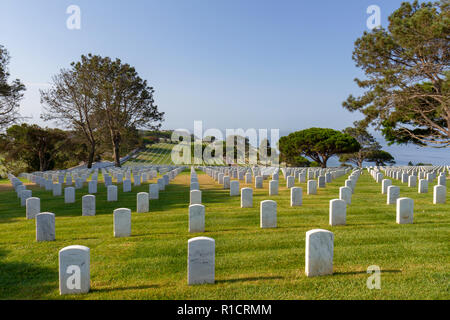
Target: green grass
[(251, 263), (156, 154), (160, 154)]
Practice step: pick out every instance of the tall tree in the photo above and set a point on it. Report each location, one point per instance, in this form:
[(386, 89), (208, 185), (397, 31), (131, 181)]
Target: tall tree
[(71, 101), (367, 142), (123, 101), (10, 93), (407, 67), (319, 144)]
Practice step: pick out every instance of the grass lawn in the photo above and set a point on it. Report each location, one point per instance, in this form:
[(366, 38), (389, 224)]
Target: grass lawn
[(251, 263)]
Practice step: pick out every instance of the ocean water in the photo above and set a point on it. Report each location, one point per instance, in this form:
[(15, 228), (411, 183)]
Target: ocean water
[(405, 153)]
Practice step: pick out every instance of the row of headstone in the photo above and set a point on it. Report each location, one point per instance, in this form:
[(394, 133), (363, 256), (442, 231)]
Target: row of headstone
[(221, 175), (393, 192), (74, 261), (33, 204)]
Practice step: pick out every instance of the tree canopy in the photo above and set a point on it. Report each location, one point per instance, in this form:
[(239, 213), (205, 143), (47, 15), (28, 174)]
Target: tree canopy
[(71, 102), (123, 100), (318, 144), (10, 93), (41, 148), (105, 100), (407, 69)]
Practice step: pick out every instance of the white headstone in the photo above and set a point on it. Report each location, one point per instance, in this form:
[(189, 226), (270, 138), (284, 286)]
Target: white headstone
[(226, 182), (423, 186), (321, 181), (57, 189), (137, 180), (234, 188), (153, 191), (349, 184), (74, 270), (195, 186), (393, 193), (273, 187), (111, 193), (442, 180), (69, 195), (312, 187), (345, 193), (142, 204), (385, 183), (33, 207), (196, 218), (439, 193), (201, 260), (338, 212), (412, 181), (268, 214), (246, 198), (319, 252), (45, 226), (195, 197), (290, 181), (405, 209), (92, 186), (88, 205), (296, 197), (24, 195), (302, 177), (122, 222), (127, 185), (258, 182)]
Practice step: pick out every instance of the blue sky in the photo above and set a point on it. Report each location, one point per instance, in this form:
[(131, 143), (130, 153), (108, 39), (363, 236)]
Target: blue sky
[(232, 64)]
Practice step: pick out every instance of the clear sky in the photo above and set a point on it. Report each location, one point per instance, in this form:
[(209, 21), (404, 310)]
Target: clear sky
[(233, 64)]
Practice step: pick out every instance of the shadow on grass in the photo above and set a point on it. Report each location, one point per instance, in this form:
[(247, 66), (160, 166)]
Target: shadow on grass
[(230, 230), (248, 279), (17, 278), (364, 272), (175, 196), (138, 235), (143, 287)]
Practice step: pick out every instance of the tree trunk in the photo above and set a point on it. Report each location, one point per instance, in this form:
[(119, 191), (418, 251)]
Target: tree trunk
[(116, 146), (91, 156), (323, 163), (360, 162), (41, 156)]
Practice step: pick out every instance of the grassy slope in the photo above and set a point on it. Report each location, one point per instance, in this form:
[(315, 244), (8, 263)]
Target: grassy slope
[(251, 263), (157, 154)]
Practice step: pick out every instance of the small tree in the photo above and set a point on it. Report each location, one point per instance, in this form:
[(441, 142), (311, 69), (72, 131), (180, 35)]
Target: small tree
[(40, 148), (10, 93), (367, 142), (381, 158), (318, 144)]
